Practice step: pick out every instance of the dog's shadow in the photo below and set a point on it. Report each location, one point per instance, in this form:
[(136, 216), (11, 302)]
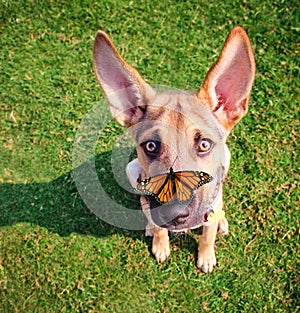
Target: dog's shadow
[(58, 206)]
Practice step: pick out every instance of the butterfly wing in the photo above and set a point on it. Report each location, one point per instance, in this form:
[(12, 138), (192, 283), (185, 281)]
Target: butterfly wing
[(164, 187), (159, 186), (167, 191), (183, 192), (188, 181), (203, 178)]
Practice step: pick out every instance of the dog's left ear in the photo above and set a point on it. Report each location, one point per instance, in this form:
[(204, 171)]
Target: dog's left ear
[(126, 91), (228, 83)]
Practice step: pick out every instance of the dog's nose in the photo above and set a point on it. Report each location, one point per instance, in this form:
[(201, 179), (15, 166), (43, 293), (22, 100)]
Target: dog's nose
[(181, 219), (170, 216)]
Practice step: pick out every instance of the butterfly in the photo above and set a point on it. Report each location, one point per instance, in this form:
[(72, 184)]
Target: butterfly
[(173, 185)]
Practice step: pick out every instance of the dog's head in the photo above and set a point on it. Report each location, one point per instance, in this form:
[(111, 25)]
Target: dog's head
[(181, 129)]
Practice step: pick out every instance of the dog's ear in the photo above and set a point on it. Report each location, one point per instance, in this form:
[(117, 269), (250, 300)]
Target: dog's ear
[(228, 83), (124, 88)]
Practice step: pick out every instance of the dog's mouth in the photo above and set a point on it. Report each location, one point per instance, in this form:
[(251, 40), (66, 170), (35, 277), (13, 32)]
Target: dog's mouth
[(174, 215), (177, 216)]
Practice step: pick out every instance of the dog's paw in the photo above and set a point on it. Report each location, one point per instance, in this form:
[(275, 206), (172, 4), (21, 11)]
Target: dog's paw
[(223, 226), (161, 249), (206, 260)]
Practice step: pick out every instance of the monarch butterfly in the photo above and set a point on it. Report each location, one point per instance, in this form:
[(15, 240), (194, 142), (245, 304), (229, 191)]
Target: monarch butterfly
[(173, 185)]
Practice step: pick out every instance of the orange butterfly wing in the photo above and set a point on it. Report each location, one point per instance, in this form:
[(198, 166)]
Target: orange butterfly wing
[(183, 192), (188, 181), (166, 187), (167, 192), (157, 186)]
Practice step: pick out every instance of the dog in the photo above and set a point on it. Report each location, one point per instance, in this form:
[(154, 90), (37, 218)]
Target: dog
[(181, 131)]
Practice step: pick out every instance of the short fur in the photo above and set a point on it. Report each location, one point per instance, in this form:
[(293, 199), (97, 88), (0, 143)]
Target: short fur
[(178, 121)]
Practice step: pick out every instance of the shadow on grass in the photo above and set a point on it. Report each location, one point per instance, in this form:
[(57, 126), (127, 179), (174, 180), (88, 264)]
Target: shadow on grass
[(58, 206)]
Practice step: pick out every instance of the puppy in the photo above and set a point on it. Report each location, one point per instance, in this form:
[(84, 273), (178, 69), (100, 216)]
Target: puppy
[(182, 130)]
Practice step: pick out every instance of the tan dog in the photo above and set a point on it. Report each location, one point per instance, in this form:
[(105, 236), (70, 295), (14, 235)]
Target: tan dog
[(183, 130)]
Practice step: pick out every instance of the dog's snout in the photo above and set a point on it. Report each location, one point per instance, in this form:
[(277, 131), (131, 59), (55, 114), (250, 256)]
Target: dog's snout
[(181, 219), (169, 216)]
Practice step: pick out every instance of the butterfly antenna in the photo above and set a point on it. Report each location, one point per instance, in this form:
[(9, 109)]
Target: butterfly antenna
[(174, 161)]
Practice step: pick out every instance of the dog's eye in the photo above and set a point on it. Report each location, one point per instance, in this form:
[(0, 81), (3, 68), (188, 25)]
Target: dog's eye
[(204, 145), (151, 147)]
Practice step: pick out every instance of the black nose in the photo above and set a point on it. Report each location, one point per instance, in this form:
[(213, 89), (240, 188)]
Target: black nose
[(166, 216), (179, 220)]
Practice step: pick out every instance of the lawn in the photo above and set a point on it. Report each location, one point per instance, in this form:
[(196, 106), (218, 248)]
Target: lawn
[(55, 254)]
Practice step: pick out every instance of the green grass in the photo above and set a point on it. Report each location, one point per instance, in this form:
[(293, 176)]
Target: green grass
[(56, 256)]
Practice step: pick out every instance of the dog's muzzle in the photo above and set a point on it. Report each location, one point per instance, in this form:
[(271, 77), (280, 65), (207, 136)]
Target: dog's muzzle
[(169, 215), (176, 216)]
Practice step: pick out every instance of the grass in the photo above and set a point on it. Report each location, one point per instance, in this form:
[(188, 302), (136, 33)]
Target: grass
[(56, 256)]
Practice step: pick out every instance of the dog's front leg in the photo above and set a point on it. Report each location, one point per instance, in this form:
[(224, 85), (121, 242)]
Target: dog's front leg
[(160, 241), (206, 250), (160, 244)]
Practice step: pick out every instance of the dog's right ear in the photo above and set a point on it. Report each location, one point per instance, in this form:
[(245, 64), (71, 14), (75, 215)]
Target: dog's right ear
[(124, 88), (228, 83)]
